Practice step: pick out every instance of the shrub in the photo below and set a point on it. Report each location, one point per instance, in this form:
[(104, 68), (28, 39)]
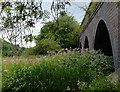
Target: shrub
[(43, 46), (103, 84), (98, 62), (66, 71)]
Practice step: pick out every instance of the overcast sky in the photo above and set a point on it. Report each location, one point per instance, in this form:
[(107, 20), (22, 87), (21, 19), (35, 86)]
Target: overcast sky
[(73, 10)]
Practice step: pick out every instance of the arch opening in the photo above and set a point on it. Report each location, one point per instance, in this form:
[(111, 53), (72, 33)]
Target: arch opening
[(80, 46), (102, 39), (86, 45)]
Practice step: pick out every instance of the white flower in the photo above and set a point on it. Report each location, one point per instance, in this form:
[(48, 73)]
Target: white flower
[(5, 70)]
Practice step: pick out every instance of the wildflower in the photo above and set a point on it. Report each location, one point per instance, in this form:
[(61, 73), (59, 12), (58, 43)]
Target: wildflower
[(68, 88), (30, 59), (59, 52), (74, 49), (49, 55), (98, 71), (38, 58), (66, 49), (87, 49), (69, 51), (78, 82), (48, 52), (5, 60), (90, 86), (64, 54), (5, 70), (0, 62), (78, 49), (13, 56), (12, 60), (70, 48)]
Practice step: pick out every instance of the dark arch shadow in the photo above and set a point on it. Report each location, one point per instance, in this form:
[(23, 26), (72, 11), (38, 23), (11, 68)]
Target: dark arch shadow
[(102, 39), (80, 45), (86, 45)]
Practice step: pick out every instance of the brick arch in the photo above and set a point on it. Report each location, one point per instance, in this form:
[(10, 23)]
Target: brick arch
[(110, 14), (86, 43), (102, 38)]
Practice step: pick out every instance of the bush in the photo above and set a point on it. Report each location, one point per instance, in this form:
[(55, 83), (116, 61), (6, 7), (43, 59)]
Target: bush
[(43, 46), (66, 71), (65, 31), (103, 84)]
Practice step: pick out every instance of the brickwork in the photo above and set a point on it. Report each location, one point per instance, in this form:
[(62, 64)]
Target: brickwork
[(110, 14)]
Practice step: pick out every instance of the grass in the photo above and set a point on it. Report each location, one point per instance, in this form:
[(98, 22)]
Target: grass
[(66, 71)]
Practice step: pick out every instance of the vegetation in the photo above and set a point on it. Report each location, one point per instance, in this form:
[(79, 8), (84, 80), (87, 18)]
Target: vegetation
[(118, 3), (62, 33), (89, 12), (29, 70), (43, 46), (8, 49), (68, 70)]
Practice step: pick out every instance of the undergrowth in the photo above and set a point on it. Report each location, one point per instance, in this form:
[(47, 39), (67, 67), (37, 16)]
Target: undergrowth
[(66, 71)]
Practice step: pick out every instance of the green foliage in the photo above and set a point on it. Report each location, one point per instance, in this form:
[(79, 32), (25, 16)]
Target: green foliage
[(8, 49), (59, 8), (68, 32), (64, 31), (89, 12), (103, 84), (23, 12), (29, 38), (44, 46), (103, 65), (28, 13), (18, 17), (66, 71), (118, 4)]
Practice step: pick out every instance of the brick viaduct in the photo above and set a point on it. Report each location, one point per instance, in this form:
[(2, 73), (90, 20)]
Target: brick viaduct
[(102, 31)]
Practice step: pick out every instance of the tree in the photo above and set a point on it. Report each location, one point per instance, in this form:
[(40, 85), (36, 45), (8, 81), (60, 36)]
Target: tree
[(44, 46), (18, 17), (66, 33), (7, 49)]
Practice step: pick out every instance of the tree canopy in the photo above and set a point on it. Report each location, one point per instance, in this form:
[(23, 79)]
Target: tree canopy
[(17, 17), (64, 31)]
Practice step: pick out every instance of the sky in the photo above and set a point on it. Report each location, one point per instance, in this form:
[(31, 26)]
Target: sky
[(73, 10)]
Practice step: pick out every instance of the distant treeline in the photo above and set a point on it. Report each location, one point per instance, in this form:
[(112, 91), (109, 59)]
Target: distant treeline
[(9, 49)]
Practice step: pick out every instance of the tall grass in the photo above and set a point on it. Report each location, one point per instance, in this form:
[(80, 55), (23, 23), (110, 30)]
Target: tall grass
[(67, 71)]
